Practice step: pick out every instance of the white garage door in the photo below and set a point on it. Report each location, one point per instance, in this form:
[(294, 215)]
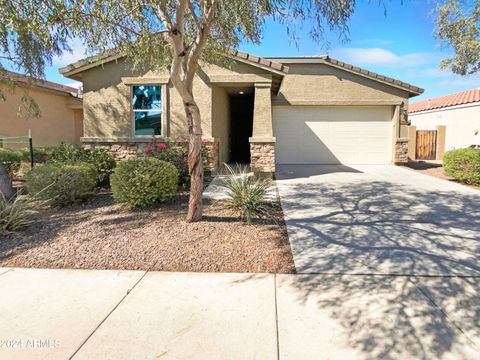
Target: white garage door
[(333, 134)]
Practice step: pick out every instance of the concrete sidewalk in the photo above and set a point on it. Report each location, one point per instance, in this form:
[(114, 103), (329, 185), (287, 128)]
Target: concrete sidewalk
[(88, 314)]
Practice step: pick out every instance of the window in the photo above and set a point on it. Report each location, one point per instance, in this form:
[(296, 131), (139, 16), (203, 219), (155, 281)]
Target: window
[(147, 109)]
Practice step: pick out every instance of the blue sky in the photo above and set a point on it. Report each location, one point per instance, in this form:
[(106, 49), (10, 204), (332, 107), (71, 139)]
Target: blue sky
[(400, 45)]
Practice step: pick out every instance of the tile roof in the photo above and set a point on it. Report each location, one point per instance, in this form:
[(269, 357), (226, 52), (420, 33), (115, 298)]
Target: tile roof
[(464, 97), (412, 88), (20, 78), (325, 59), (274, 64), (259, 60), (109, 56)]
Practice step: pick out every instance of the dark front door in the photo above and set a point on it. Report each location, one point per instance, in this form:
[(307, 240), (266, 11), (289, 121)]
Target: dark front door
[(241, 115)]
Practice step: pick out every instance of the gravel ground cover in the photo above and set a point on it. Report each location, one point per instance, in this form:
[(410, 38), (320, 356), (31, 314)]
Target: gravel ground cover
[(432, 169), (427, 168), (102, 234)]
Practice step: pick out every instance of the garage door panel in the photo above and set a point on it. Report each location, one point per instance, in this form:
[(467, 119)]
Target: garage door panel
[(332, 135)]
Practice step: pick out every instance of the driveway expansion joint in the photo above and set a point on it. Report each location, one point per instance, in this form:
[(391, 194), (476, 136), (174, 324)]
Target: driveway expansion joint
[(108, 315), (6, 271), (276, 315)]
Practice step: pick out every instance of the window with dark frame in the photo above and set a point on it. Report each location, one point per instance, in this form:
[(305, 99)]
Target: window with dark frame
[(147, 109)]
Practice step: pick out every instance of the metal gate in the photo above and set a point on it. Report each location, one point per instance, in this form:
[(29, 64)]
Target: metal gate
[(426, 145)]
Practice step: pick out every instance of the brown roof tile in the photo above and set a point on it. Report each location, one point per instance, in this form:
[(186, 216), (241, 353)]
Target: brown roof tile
[(414, 89), (16, 77)]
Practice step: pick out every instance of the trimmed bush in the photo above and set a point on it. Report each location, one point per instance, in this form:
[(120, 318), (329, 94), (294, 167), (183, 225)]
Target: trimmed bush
[(103, 162), (174, 152), (62, 184), (463, 165), (144, 182)]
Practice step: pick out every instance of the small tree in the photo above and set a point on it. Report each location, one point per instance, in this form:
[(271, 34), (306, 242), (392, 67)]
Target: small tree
[(181, 33), (29, 39), (177, 34), (458, 26)]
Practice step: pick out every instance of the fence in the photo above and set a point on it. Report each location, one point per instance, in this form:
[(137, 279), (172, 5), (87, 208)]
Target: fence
[(426, 145), (4, 140)]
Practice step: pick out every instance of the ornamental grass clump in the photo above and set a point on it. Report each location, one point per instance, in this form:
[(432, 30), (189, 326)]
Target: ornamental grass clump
[(16, 214), (247, 196), (144, 181)]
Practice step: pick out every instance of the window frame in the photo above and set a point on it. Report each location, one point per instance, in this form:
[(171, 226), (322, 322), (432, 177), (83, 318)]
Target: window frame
[(162, 110)]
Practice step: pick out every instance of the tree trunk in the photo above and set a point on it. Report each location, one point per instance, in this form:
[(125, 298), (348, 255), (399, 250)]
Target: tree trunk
[(195, 163), (6, 187)]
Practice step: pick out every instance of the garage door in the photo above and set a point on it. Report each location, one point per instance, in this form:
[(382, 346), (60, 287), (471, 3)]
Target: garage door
[(332, 135)]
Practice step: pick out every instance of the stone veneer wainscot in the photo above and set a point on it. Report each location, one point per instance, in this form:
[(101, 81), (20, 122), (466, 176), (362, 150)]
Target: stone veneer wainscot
[(129, 148)]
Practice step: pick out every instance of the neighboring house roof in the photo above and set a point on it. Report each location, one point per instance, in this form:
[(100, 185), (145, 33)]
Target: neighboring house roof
[(23, 79), (325, 59), (460, 98)]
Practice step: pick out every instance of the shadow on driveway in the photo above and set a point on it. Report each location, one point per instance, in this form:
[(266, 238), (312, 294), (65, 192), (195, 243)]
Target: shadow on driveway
[(389, 263)]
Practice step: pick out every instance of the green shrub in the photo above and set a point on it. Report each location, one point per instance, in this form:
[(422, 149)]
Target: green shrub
[(11, 159), (62, 184), (40, 154), (104, 164), (17, 214), (463, 165), (99, 158), (144, 181), (174, 152), (247, 196)]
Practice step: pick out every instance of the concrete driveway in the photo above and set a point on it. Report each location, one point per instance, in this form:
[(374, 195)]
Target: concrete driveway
[(389, 257), (379, 220)]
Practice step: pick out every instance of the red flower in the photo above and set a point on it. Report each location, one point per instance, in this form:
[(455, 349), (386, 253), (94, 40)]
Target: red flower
[(148, 151), (161, 146)]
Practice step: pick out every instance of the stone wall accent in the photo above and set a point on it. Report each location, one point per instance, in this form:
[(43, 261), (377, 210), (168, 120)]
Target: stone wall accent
[(129, 149), (401, 151), (262, 157), (211, 154)]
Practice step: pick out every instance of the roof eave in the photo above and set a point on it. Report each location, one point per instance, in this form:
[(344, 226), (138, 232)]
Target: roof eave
[(411, 89), (74, 70)]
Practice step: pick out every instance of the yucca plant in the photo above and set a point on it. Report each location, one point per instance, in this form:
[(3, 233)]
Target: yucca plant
[(17, 214), (247, 196)]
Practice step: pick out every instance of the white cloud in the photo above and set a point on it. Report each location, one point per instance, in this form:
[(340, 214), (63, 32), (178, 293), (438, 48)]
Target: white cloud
[(381, 57), (377, 41), (436, 72), (75, 84), (469, 82), (77, 53)]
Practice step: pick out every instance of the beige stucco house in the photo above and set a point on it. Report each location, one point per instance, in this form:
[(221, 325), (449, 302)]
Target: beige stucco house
[(60, 106), (458, 114), (262, 111)]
